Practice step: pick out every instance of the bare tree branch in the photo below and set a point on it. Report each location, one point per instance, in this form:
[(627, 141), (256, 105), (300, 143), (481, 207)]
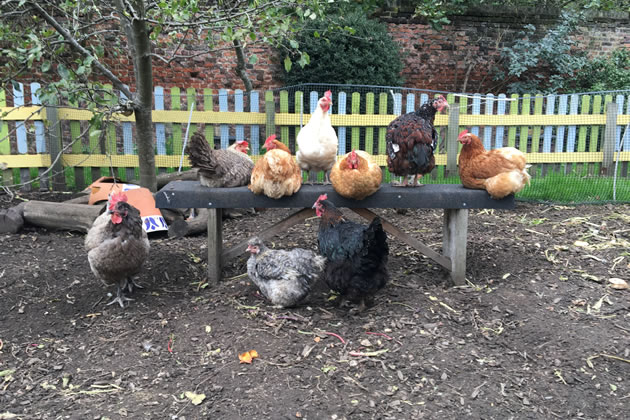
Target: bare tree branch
[(106, 72)]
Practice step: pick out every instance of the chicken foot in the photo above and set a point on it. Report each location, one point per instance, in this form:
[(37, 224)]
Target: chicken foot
[(120, 297), (130, 284), (405, 181)]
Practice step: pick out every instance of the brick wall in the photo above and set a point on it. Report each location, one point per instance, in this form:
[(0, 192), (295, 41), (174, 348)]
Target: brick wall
[(462, 53)]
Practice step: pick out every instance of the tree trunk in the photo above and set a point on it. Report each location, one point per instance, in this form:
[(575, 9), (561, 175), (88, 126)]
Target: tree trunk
[(240, 66), (144, 88)]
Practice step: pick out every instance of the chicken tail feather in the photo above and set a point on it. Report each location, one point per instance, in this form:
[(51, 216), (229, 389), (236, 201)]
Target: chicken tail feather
[(506, 183)]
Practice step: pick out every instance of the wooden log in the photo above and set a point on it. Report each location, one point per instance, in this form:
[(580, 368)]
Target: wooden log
[(78, 217), (11, 219), (82, 199), (192, 226), (454, 237)]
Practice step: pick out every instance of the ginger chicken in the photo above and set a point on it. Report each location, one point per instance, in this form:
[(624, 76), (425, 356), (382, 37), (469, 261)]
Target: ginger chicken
[(284, 277), (356, 175), (317, 141), (275, 174), (117, 246), (500, 171), (221, 168), (357, 254)]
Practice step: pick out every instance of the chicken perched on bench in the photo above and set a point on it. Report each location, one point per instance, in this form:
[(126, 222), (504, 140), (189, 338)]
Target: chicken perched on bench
[(501, 171), (276, 174), (222, 168), (283, 277), (356, 175), (357, 254), (411, 140), (317, 141), (117, 246)]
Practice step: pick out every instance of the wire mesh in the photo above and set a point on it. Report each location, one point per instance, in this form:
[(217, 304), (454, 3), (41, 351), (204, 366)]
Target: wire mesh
[(578, 145)]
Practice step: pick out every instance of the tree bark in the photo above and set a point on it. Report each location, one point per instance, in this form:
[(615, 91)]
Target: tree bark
[(78, 217), (240, 66), (144, 88)]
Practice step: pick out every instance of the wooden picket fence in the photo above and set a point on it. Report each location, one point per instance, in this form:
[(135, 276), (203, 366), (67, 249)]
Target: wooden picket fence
[(567, 133)]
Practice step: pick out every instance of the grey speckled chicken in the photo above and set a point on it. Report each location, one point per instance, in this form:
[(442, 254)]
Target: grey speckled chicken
[(223, 168), (117, 246), (284, 277)]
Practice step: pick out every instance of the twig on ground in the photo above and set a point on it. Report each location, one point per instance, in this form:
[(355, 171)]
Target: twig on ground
[(335, 335)]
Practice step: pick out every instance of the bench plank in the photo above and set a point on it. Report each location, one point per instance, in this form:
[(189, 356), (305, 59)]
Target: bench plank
[(191, 194)]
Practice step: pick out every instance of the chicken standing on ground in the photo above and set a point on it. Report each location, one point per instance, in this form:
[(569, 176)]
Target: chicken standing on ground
[(500, 171), (223, 168), (117, 246), (317, 141), (283, 277), (276, 174), (356, 175), (357, 254), (412, 139)]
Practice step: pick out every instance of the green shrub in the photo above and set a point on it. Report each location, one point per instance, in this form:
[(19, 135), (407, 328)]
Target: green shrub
[(347, 48), (605, 73)]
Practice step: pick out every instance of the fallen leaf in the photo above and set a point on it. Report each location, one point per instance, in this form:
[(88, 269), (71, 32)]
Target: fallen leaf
[(6, 372), (7, 416), (506, 275), (617, 283), (195, 399), (581, 243), (248, 356)]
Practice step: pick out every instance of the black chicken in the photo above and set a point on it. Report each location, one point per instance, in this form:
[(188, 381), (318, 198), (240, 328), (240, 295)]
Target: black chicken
[(357, 254), (411, 141)]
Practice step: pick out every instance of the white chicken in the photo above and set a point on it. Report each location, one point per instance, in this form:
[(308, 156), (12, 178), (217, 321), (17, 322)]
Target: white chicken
[(317, 140)]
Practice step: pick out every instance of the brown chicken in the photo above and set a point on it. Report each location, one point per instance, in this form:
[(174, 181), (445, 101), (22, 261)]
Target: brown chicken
[(356, 175), (276, 174), (220, 168), (117, 246), (412, 139), (500, 171)]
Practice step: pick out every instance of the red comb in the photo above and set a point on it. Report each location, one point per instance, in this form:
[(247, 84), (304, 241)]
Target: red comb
[(115, 198), (243, 142), (328, 94), (462, 134), (271, 138), (322, 197)]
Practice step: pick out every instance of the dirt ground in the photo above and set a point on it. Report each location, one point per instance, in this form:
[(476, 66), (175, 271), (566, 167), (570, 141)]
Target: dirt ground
[(537, 333)]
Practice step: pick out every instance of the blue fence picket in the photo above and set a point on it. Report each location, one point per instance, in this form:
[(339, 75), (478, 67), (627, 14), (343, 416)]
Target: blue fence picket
[(160, 128), (411, 102), (254, 130), (560, 131), (20, 134), (313, 98), (500, 131), (238, 107), (548, 132), (397, 103), (224, 129), (341, 131), (476, 110), (487, 130), (424, 98)]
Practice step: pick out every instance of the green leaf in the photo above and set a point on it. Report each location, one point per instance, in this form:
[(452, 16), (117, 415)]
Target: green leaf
[(6, 372), (294, 44), (287, 64), (63, 71), (253, 59), (195, 399), (46, 66), (95, 133)]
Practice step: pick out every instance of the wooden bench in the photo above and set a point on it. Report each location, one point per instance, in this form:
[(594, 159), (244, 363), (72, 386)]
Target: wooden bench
[(454, 199)]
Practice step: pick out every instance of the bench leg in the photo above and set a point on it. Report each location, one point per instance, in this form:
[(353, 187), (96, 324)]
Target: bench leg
[(215, 245), (455, 232)]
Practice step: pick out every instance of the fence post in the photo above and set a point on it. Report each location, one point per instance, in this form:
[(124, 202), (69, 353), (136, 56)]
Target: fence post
[(451, 140), (609, 137), (54, 148), (270, 110)]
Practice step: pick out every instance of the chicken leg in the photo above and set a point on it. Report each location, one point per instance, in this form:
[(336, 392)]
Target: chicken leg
[(130, 284), (120, 297)]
